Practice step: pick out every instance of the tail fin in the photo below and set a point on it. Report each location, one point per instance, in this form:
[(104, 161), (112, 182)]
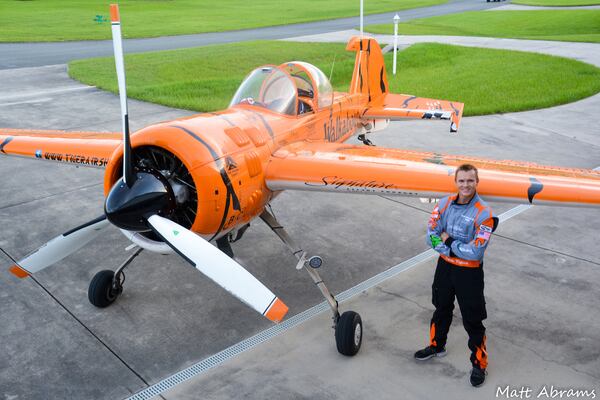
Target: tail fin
[(369, 75)]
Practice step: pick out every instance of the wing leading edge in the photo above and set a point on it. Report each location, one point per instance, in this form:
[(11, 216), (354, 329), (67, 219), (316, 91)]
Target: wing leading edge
[(343, 168), (89, 149)]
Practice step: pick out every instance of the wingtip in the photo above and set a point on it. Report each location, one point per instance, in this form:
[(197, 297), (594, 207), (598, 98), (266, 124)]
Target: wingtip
[(18, 272), (277, 311)]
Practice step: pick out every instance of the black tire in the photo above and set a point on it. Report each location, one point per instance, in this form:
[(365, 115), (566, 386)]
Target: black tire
[(348, 333), (101, 293)]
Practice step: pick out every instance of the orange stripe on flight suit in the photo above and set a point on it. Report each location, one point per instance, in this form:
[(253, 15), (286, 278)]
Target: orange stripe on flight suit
[(460, 262), (433, 221), (277, 311), (432, 341), (480, 209), (481, 355)]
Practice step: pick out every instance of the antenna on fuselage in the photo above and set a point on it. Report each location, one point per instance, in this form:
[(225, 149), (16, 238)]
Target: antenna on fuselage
[(332, 65), (128, 175), (331, 76)]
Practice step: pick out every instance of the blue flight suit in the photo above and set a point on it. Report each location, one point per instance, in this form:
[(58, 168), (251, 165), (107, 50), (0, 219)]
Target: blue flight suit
[(459, 271)]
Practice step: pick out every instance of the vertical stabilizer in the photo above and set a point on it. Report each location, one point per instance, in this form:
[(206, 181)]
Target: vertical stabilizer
[(369, 76)]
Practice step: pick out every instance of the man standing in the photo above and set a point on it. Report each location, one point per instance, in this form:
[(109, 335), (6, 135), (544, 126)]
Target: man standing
[(459, 229)]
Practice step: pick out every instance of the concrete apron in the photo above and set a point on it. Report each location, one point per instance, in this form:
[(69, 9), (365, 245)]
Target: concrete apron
[(543, 323)]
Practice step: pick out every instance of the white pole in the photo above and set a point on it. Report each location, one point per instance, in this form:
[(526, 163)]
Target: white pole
[(396, 20), (361, 18)]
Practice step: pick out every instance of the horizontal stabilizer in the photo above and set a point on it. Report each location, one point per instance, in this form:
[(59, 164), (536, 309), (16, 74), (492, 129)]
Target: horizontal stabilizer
[(401, 106)]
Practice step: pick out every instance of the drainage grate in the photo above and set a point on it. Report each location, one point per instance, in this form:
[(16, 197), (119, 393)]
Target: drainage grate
[(261, 337)]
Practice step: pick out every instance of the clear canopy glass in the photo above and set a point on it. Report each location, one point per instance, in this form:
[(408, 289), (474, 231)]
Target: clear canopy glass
[(270, 88), (310, 78), (292, 88)]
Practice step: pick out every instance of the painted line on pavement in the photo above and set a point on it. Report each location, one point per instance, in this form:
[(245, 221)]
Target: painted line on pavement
[(46, 92), (42, 100)]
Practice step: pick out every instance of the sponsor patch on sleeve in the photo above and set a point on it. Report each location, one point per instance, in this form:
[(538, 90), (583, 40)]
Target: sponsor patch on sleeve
[(485, 228), (484, 233)]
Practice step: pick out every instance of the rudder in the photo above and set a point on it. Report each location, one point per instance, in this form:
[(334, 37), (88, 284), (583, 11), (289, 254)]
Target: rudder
[(369, 76)]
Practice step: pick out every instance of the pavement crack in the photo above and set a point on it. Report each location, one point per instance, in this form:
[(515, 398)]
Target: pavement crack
[(403, 298), (517, 121), (80, 322), (493, 334), (404, 204), (138, 116), (49, 196), (547, 249)]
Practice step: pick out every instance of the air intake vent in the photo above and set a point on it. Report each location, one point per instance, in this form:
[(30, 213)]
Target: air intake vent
[(253, 163), (238, 136)]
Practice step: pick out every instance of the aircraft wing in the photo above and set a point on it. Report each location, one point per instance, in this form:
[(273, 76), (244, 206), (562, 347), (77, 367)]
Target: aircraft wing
[(401, 106), (342, 168), (89, 149)]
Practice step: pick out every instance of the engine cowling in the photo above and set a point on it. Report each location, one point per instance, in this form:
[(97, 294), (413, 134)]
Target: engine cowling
[(195, 183)]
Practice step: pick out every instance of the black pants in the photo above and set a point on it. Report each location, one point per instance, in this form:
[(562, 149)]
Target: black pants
[(467, 285)]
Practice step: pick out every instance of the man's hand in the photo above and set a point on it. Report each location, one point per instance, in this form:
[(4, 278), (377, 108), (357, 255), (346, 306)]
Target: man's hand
[(435, 241)]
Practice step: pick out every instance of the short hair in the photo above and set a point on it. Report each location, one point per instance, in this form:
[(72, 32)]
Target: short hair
[(467, 168)]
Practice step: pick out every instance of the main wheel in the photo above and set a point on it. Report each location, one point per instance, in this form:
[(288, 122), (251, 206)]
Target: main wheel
[(348, 333), (101, 293)]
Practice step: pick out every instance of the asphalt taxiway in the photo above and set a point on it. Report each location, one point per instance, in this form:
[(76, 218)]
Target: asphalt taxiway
[(20, 55), (541, 272)]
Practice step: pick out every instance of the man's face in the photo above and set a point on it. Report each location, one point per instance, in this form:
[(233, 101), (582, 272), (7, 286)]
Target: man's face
[(466, 183)]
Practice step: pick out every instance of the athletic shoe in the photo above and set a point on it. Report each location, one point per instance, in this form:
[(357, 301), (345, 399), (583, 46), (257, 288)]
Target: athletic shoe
[(477, 376), (428, 352)]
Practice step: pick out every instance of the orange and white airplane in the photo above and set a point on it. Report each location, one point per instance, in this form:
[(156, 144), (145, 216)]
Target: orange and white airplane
[(177, 185)]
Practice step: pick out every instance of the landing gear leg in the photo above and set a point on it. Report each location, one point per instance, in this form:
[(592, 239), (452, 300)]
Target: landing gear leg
[(107, 285), (363, 138), (348, 327), (225, 246)]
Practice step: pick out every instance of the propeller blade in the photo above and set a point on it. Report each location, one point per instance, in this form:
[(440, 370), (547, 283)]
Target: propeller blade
[(128, 175), (59, 247), (216, 265)]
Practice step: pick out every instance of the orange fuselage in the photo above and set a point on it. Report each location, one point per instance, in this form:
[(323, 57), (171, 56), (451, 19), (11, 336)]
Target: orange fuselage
[(227, 154)]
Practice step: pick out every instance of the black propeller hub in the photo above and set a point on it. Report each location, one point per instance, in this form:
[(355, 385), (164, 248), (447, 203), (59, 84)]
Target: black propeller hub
[(129, 207)]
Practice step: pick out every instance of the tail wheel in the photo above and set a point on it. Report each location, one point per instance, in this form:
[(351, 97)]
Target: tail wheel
[(180, 179)]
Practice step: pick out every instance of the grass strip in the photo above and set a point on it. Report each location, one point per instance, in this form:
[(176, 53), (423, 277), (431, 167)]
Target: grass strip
[(563, 25), (488, 81), (46, 21)]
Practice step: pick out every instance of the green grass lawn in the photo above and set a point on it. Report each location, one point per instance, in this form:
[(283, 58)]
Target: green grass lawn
[(557, 3), (565, 25), (487, 81), (58, 20)]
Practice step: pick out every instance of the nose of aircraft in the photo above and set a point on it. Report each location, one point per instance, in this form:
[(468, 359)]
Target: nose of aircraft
[(129, 207)]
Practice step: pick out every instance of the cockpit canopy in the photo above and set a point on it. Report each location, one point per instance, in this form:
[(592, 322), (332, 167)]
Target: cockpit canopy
[(291, 88)]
